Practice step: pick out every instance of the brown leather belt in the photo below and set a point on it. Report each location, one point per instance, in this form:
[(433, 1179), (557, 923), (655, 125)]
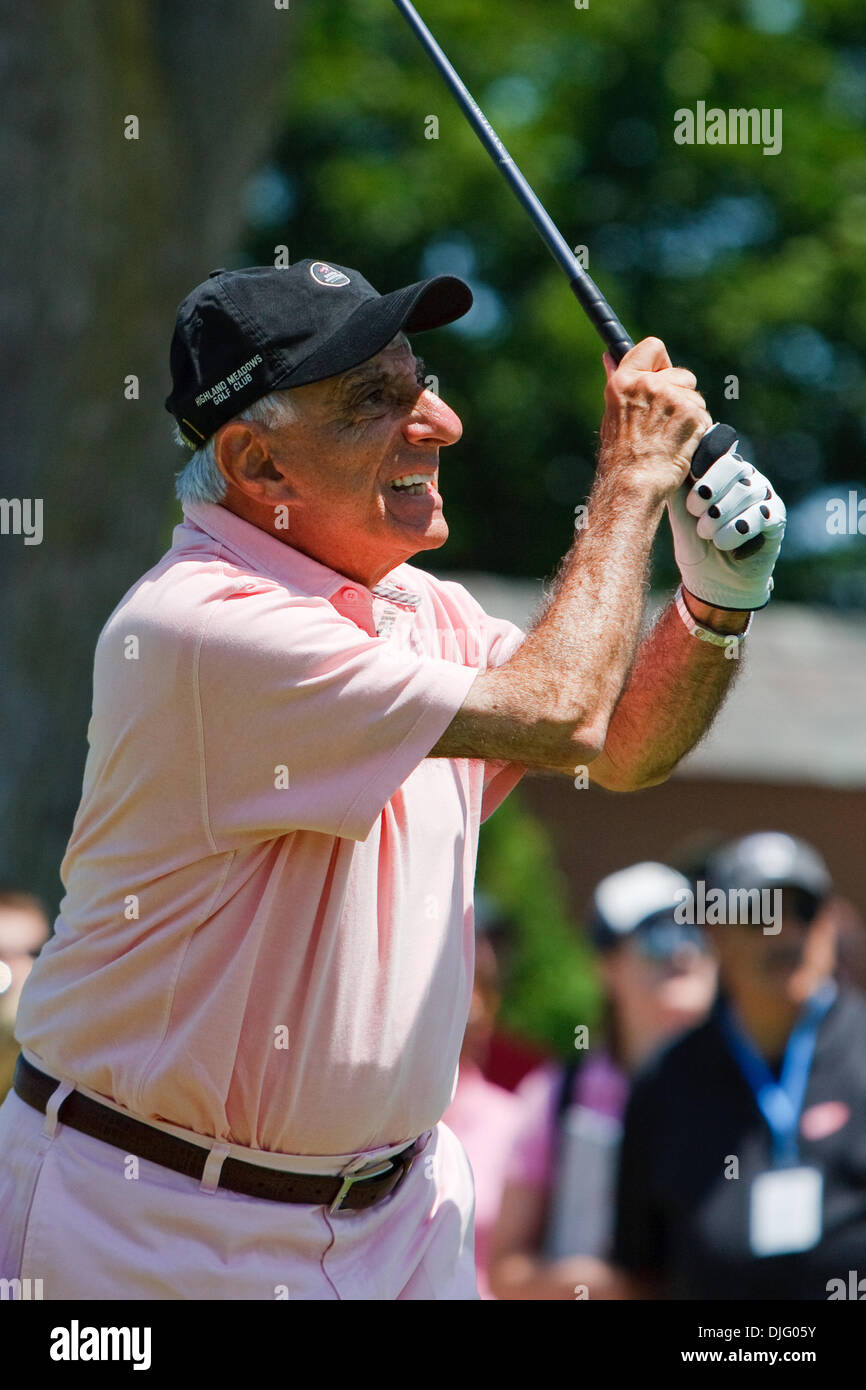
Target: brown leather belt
[(352, 1192)]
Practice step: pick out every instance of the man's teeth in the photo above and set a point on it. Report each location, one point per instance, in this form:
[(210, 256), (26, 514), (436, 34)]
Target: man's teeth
[(414, 483)]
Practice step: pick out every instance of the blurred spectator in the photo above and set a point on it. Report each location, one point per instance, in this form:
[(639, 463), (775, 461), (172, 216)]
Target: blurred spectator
[(24, 929), (510, 1057), (743, 1171), (556, 1224), (483, 1115), (850, 944)]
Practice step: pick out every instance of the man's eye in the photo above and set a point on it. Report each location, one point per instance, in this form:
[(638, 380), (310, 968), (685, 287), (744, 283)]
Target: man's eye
[(373, 397)]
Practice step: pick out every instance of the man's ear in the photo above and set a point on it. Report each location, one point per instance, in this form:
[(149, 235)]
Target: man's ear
[(243, 458)]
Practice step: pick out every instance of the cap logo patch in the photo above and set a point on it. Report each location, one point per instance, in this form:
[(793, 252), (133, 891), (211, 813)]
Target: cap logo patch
[(326, 275)]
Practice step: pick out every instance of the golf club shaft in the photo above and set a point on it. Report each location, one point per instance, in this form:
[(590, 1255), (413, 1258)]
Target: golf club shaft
[(586, 291), (590, 297)]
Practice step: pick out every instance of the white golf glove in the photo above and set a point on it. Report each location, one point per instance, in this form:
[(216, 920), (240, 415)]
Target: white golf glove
[(728, 523)]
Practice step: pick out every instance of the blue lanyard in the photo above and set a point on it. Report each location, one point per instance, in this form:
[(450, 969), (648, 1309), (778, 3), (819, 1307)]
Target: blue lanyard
[(781, 1102)]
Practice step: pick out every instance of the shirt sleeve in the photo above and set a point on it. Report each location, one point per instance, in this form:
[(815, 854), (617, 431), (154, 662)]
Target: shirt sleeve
[(500, 640), (638, 1234), (499, 780), (307, 721)]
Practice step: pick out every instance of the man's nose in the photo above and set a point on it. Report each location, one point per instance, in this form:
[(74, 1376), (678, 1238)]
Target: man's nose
[(432, 421)]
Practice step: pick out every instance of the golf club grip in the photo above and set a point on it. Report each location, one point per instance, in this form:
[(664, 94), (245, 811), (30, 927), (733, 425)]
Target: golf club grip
[(602, 317)]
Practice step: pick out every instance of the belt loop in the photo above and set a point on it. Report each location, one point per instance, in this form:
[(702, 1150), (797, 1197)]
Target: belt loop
[(210, 1178), (53, 1104)]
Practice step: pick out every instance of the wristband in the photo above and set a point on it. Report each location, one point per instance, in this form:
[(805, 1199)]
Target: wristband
[(704, 633)]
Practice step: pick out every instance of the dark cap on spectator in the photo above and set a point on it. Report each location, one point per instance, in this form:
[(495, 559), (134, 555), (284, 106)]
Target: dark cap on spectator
[(769, 859), (243, 333)]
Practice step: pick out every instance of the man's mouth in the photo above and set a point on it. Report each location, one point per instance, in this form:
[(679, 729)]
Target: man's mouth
[(415, 484)]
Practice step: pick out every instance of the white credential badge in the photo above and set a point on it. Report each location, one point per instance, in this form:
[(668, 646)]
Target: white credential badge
[(786, 1211)]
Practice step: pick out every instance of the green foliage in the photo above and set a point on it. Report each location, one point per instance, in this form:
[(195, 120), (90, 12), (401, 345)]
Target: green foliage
[(550, 982), (746, 264)]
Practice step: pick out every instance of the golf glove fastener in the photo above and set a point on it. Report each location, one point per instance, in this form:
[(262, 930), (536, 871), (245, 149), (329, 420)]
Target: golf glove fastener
[(728, 523)]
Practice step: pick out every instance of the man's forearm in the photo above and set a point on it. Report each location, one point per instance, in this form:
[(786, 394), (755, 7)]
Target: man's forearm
[(675, 689), (550, 705), (579, 653)]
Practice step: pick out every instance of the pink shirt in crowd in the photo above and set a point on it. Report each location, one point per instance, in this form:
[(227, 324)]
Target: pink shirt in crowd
[(599, 1085), (485, 1118), (267, 928)]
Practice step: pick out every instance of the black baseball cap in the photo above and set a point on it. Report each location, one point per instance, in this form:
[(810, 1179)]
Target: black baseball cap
[(772, 859), (243, 333)]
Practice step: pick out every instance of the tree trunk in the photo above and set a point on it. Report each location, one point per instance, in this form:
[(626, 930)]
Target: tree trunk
[(103, 236)]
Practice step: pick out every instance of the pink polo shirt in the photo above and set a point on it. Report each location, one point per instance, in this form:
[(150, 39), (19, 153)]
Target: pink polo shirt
[(267, 929), (600, 1085)]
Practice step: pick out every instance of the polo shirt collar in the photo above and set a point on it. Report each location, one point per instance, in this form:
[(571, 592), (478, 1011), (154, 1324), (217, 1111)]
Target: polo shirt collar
[(287, 565), (264, 553)]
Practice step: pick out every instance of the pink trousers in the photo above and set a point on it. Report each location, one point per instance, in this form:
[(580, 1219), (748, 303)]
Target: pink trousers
[(92, 1223)]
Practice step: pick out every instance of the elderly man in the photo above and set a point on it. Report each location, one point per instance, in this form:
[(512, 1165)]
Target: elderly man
[(240, 1041)]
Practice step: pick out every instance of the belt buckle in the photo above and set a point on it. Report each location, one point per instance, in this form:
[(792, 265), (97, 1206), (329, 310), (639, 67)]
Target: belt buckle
[(383, 1165)]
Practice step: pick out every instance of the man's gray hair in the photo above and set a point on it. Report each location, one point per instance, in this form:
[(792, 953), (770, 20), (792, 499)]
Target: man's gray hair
[(200, 480)]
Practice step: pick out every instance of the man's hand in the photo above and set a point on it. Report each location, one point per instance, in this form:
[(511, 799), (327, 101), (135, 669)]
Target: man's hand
[(550, 704), (653, 422), (573, 693), (730, 505)]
